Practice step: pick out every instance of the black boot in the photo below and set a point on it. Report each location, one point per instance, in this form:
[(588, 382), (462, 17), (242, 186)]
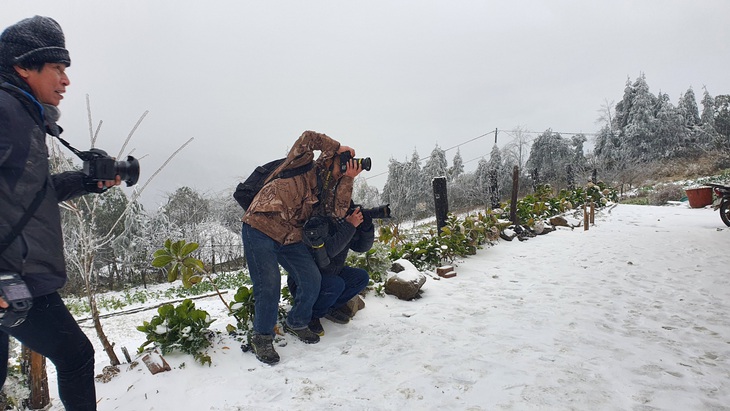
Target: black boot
[(263, 346)]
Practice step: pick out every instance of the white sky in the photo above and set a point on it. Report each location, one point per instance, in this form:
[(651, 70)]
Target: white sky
[(385, 77), (629, 315)]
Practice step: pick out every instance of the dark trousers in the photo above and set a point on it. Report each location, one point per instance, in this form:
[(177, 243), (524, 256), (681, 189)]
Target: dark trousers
[(335, 290), (51, 331)]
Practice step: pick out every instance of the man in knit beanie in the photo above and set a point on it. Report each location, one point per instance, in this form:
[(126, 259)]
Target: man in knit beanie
[(33, 41), (30, 44), (33, 62)]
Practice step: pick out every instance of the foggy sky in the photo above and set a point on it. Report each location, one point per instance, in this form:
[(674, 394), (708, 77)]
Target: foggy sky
[(245, 79)]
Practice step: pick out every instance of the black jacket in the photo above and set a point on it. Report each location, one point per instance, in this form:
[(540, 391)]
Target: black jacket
[(343, 237), (37, 253)]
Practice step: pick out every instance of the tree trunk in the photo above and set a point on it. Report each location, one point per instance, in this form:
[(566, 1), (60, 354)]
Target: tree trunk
[(108, 347)]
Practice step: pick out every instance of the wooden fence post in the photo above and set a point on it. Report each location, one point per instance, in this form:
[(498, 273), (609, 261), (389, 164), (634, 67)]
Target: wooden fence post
[(513, 200), (593, 212), (34, 366), (585, 215), (440, 201)]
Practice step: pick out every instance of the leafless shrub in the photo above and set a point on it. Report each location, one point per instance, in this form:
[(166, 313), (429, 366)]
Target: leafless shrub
[(664, 193)]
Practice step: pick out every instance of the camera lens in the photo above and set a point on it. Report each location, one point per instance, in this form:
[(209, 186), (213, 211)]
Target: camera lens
[(366, 163), (128, 170)]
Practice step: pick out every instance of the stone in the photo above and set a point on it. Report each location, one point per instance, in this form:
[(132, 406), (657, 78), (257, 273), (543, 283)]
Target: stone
[(405, 288), (354, 305)]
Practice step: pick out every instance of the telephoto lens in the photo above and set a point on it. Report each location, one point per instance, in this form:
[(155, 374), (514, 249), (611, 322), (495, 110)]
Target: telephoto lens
[(315, 231)]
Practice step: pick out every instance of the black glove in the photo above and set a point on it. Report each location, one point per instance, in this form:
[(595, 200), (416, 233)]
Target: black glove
[(367, 223), (92, 186)]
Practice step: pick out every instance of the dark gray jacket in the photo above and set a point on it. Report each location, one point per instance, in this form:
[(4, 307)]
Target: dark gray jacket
[(37, 253), (344, 237)]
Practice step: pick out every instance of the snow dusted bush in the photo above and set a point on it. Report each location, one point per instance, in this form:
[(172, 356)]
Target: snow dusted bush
[(183, 328)]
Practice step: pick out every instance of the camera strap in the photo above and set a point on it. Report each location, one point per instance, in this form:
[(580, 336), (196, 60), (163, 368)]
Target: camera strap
[(18, 227), (68, 145)]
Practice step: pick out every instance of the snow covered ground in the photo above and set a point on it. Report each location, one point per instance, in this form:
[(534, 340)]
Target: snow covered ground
[(630, 315)]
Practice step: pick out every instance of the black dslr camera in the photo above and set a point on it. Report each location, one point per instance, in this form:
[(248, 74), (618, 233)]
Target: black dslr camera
[(14, 291), (368, 214), (345, 156), (382, 211), (315, 231), (100, 166)]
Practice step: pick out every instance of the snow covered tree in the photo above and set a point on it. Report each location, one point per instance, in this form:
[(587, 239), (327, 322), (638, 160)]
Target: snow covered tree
[(186, 208), (549, 155), (364, 194), (707, 118), (668, 130), (481, 183), (708, 110), (638, 131), (457, 166), (515, 152), (395, 190), (436, 165), (722, 117), (688, 109), (496, 183)]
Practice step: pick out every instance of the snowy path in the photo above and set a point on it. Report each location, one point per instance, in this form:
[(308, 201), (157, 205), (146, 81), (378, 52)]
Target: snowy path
[(630, 315)]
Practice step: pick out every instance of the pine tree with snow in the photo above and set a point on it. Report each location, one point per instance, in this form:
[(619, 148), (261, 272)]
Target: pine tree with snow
[(457, 166)]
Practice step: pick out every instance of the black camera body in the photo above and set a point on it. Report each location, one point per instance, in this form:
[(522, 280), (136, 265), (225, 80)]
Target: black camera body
[(15, 292), (99, 166), (345, 156), (316, 230)]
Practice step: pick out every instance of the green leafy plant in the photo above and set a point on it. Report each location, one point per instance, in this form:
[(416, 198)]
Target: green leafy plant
[(375, 261), (243, 309), (183, 328), (176, 257), (458, 238)]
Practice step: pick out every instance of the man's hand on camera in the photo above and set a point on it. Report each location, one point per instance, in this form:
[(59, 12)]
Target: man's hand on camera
[(353, 168), (100, 186), (355, 218), (342, 149), (3, 304)]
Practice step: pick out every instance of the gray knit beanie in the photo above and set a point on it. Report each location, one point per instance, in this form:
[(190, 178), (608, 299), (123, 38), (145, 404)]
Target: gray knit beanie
[(33, 40)]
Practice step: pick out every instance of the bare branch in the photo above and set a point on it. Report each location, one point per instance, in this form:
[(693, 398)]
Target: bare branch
[(138, 193), (126, 141), (96, 133)]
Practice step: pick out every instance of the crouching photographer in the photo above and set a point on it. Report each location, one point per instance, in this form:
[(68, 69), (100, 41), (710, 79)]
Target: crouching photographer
[(33, 62), (330, 240)]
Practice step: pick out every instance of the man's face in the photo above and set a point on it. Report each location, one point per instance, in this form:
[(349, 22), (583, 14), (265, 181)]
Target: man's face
[(49, 84)]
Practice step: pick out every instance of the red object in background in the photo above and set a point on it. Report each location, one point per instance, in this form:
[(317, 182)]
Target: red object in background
[(699, 197)]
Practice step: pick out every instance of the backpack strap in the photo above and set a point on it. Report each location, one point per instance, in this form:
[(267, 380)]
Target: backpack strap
[(18, 227), (295, 171)]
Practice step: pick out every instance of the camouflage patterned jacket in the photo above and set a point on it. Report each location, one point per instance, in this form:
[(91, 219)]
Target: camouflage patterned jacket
[(283, 205)]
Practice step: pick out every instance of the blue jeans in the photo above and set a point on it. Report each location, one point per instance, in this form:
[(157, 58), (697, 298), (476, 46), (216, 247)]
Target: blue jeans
[(264, 255), (336, 290), (51, 331)]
